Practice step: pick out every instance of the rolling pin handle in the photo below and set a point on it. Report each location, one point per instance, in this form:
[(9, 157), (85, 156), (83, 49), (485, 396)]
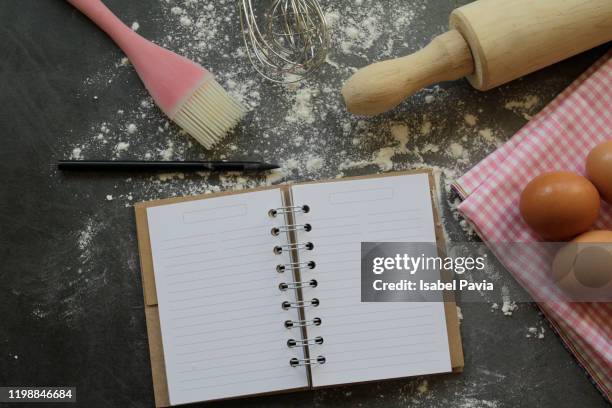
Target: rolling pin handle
[(382, 86)]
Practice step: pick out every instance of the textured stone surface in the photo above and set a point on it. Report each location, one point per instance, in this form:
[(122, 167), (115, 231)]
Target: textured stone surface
[(71, 297)]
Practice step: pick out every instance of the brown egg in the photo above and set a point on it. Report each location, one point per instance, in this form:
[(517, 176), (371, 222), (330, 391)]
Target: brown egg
[(599, 169), (582, 267), (560, 205)]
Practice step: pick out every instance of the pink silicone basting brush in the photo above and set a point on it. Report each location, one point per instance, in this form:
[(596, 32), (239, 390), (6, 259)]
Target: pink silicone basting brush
[(184, 90)]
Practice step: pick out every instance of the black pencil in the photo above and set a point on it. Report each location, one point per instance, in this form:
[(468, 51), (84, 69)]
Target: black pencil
[(167, 166)]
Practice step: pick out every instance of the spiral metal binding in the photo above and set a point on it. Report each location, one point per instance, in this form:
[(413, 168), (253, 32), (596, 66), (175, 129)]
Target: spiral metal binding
[(284, 286), (291, 324), (280, 268), (286, 305), (289, 210), (300, 246), (296, 362), (298, 285), (306, 342), (292, 227)]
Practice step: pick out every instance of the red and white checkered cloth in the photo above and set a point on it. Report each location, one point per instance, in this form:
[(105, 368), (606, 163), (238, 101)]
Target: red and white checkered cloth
[(558, 138)]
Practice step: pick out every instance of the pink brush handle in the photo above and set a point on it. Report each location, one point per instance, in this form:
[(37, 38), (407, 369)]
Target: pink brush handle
[(169, 78)]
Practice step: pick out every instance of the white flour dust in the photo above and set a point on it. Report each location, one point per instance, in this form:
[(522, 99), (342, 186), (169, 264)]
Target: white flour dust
[(535, 332), (86, 235), (525, 106), (508, 305)]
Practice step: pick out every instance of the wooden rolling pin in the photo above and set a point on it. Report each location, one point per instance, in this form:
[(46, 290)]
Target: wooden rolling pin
[(491, 42)]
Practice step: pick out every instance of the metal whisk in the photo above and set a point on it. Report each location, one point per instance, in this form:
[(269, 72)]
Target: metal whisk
[(285, 41)]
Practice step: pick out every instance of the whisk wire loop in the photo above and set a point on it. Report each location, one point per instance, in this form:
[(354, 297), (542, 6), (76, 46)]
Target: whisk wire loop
[(287, 41)]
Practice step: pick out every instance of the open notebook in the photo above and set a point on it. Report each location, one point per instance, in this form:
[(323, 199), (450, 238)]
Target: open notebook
[(258, 291)]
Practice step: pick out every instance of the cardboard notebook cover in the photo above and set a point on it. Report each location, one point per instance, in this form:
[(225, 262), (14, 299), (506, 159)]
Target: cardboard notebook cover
[(158, 369)]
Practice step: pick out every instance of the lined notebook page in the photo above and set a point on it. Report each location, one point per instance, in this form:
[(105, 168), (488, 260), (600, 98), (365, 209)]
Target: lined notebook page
[(368, 341), (219, 300)]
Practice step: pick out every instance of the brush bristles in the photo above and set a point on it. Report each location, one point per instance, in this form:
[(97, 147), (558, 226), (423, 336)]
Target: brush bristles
[(209, 114)]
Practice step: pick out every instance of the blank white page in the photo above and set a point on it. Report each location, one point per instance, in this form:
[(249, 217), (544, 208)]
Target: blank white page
[(368, 341), (219, 301)]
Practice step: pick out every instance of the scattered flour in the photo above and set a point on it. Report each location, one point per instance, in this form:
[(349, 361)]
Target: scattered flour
[(291, 164), (86, 235), (508, 305), (423, 387), (383, 158), (400, 133), (361, 28), (487, 134), (356, 28), (314, 163), (469, 402), (535, 332), (186, 21), (470, 119), (430, 148), (77, 153), (456, 150), (39, 313), (168, 152), (526, 103), (121, 147), (426, 128), (302, 110), (524, 106)]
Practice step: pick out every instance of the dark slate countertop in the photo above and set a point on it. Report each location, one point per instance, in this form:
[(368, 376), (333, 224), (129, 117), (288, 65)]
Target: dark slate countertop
[(71, 298)]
